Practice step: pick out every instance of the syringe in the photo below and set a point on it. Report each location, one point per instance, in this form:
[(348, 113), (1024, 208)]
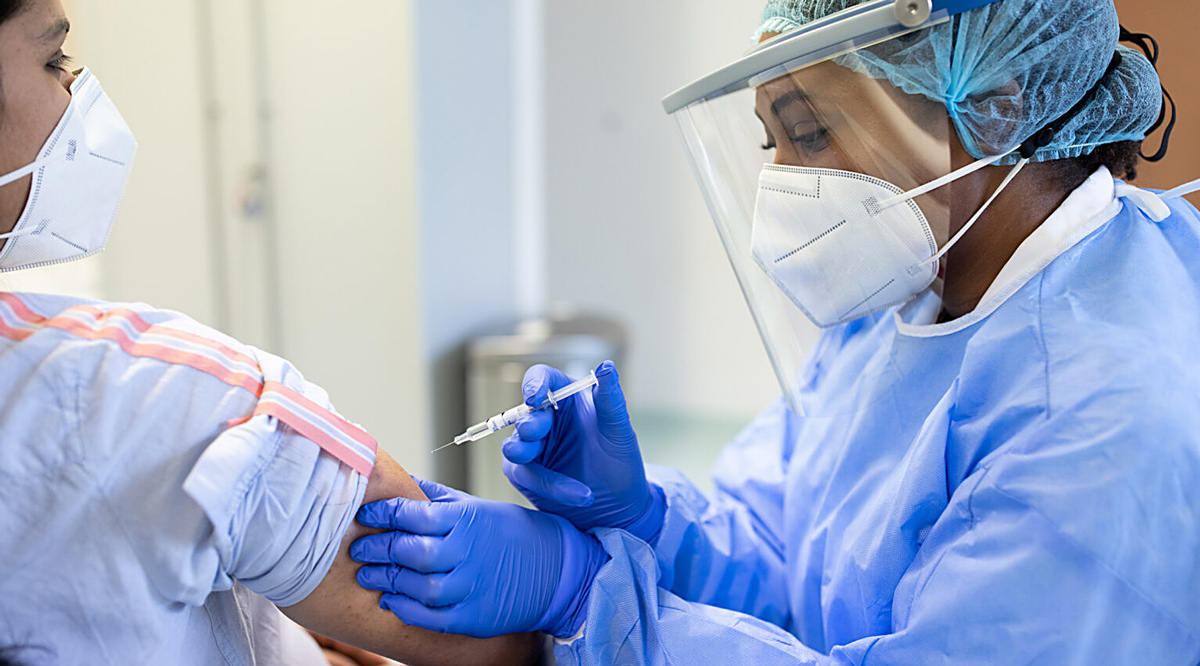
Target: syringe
[(505, 419)]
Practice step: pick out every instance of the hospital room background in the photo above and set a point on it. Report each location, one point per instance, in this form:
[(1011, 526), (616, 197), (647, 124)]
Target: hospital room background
[(411, 199)]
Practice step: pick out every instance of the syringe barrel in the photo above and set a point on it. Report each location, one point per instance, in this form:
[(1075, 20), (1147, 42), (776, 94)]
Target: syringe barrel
[(476, 431), (555, 397), (501, 421)]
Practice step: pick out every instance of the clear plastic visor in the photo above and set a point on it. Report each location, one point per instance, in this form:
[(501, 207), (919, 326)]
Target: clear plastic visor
[(821, 116)]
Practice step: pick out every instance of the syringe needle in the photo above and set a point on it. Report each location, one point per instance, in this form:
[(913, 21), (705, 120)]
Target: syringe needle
[(510, 417)]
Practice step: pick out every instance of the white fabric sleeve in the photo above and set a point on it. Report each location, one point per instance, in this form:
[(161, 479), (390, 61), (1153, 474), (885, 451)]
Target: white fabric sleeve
[(196, 460), (279, 505)]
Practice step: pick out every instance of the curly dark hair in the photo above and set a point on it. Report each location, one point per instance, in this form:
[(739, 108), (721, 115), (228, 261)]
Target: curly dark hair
[(1121, 158), (9, 9)]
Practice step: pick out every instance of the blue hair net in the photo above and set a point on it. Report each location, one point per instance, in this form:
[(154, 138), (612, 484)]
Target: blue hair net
[(1006, 70)]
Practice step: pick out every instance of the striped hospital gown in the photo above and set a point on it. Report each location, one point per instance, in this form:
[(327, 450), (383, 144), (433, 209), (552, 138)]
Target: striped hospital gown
[(161, 487)]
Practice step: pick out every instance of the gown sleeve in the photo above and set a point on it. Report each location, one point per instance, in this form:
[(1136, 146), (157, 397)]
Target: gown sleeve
[(727, 550)]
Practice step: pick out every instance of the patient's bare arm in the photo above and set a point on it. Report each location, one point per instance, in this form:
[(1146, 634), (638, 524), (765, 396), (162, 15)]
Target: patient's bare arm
[(341, 609)]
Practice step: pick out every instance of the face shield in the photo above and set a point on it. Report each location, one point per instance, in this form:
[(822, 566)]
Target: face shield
[(826, 184)]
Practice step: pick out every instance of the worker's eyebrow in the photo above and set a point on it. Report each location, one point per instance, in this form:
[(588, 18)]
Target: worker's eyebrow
[(788, 99), (57, 31)]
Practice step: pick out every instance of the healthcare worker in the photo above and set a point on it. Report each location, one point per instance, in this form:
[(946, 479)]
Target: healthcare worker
[(993, 454)]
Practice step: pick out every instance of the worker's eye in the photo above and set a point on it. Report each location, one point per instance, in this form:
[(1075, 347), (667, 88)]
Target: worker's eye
[(812, 142), (60, 62)]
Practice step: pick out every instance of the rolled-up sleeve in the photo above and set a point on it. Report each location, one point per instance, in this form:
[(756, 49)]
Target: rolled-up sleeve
[(281, 488), (279, 506), (213, 481)]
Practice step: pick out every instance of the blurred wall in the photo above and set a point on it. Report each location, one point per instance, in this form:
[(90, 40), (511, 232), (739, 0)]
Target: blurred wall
[(275, 191), (629, 233), (1173, 24), (145, 53), (343, 154), (465, 126)]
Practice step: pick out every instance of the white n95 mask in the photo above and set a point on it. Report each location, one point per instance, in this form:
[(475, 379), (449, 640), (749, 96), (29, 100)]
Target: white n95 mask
[(820, 235), (79, 179), (843, 245)]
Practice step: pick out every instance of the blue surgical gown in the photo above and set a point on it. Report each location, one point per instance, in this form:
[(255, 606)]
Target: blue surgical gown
[(1021, 486)]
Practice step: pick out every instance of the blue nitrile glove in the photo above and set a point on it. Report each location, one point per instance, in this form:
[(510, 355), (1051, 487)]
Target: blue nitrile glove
[(581, 461), (463, 565)]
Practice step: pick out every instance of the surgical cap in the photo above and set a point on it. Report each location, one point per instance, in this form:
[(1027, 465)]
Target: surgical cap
[(1007, 69)]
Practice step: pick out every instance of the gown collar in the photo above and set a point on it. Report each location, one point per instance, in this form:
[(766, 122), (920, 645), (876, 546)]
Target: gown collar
[(1087, 208)]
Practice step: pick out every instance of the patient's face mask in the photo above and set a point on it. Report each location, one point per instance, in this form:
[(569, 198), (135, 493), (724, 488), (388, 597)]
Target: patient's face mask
[(79, 179)]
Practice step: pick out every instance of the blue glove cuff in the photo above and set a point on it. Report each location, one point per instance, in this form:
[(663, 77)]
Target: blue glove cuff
[(649, 524), (582, 558)]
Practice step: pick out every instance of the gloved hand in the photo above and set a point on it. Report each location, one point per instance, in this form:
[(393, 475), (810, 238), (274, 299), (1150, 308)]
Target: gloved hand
[(463, 565), (581, 461)]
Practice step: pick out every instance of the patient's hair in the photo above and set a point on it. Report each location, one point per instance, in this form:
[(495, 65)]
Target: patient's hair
[(10, 8)]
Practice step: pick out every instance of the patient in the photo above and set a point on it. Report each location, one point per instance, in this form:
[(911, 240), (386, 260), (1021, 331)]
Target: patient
[(164, 489)]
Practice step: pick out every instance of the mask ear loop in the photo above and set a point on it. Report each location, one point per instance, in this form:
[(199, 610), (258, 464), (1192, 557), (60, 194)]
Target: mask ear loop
[(14, 176), (1012, 174), (946, 180), (18, 233), (28, 169), (939, 183)]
